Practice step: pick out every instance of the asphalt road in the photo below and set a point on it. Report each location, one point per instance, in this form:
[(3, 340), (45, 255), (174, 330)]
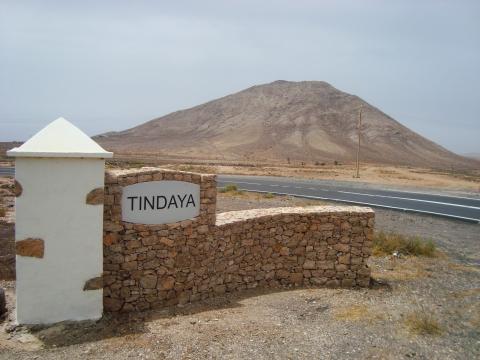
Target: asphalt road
[(462, 208)]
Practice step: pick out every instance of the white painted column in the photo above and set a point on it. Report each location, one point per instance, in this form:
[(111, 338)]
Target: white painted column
[(59, 225)]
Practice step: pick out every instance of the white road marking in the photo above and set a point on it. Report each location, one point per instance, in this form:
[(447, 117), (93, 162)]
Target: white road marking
[(374, 195), (240, 182), (372, 204), (364, 194), (410, 199), (396, 190)]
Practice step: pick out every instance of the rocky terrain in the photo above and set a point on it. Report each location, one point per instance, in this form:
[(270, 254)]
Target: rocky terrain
[(282, 122), (370, 323)]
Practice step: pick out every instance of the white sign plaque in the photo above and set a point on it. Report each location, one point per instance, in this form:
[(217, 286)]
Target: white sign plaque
[(160, 202)]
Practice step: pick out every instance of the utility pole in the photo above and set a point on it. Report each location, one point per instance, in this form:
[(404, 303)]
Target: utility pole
[(358, 149)]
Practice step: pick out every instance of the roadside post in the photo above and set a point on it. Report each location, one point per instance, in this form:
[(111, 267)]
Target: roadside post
[(59, 178)]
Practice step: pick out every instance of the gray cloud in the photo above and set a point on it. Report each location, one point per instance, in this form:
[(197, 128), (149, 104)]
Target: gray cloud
[(110, 65)]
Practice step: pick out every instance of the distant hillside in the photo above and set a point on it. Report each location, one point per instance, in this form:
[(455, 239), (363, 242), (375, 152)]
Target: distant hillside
[(473, 155), (300, 121)]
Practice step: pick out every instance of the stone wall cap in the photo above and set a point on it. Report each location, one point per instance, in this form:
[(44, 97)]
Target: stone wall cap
[(242, 215), (60, 139), (150, 170)]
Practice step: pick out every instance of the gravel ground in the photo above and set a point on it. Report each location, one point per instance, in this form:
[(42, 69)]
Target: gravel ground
[(297, 323)]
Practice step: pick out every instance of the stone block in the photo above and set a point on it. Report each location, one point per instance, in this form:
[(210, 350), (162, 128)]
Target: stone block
[(30, 247), (95, 197), (95, 283), (148, 281)]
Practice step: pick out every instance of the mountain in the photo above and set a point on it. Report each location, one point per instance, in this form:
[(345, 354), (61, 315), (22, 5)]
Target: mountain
[(300, 121), (473, 155)]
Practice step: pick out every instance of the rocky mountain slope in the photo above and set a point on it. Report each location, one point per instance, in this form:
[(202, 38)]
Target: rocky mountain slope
[(281, 121)]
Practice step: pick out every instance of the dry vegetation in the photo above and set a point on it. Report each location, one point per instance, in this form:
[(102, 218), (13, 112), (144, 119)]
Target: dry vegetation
[(423, 322), (359, 312), (394, 243), (231, 189)]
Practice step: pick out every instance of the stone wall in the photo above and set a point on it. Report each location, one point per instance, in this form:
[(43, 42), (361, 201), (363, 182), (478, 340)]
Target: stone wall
[(7, 228), (148, 266), (7, 250)]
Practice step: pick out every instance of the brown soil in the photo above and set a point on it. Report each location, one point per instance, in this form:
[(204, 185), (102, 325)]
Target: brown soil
[(392, 176), (301, 323)]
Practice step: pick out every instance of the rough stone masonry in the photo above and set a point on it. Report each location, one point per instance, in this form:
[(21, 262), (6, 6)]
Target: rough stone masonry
[(150, 266)]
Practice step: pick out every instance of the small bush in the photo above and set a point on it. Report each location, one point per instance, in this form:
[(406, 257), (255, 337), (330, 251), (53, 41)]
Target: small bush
[(388, 243), (422, 322), (269, 196), (2, 212), (229, 188)]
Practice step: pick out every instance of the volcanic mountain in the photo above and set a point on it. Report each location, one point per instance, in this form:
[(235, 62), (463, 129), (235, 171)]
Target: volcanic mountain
[(279, 122)]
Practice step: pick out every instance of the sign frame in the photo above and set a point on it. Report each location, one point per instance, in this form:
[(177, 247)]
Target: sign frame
[(160, 202)]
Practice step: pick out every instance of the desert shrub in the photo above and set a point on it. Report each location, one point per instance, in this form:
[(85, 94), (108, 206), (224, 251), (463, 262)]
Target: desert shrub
[(269, 196), (423, 322), (2, 212), (388, 243), (231, 189), (335, 162)]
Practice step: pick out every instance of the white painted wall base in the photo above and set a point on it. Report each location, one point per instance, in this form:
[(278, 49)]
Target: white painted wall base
[(52, 207)]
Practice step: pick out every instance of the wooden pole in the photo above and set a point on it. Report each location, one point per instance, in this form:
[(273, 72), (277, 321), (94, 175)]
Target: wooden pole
[(358, 149)]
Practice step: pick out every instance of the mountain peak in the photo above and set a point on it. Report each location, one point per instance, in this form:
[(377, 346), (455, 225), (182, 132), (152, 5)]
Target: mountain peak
[(279, 121)]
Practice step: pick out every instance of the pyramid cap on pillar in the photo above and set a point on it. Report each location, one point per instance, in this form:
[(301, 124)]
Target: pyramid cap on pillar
[(62, 139)]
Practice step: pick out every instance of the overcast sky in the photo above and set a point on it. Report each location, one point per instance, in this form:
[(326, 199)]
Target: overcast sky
[(111, 65)]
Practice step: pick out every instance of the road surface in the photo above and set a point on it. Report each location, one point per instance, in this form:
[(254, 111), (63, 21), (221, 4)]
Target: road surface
[(462, 208)]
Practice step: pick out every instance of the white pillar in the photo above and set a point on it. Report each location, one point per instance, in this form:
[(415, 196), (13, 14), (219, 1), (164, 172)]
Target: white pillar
[(59, 225)]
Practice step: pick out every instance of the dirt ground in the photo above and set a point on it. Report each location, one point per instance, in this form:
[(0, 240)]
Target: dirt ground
[(456, 180), (392, 176), (296, 323)]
